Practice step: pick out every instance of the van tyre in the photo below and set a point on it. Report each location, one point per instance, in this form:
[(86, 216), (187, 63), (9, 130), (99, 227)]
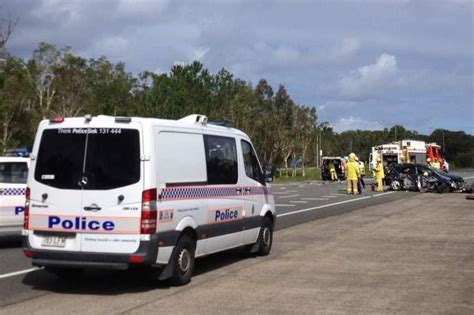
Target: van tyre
[(183, 261), (265, 237)]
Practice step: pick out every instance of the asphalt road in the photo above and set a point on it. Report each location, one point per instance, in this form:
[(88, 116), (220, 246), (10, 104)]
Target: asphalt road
[(296, 203)]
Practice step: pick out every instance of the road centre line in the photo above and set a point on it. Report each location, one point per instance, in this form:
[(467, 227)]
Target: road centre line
[(282, 205), (331, 204), (292, 191), (329, 196), (334, 194), (315, 198), (291, 196), (16, 273), (469, 177), (280, 192), (298, 201)]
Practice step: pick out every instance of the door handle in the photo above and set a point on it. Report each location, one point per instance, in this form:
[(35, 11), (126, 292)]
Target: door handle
[(92, 208), (248, 189), (239, 190)]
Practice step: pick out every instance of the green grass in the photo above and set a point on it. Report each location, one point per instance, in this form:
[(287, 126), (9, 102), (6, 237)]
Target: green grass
[(312, 173)]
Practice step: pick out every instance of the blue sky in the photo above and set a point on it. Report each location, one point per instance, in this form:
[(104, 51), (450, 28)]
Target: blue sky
[(363, 64)]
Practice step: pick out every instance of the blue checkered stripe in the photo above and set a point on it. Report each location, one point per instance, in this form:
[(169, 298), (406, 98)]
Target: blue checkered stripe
[(12, 191), (175, 193)]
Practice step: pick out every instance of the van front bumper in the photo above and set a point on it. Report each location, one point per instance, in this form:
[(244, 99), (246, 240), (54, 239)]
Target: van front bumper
[(146, 255)]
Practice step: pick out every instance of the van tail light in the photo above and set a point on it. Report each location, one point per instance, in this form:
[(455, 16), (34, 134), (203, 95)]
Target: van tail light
[(149, 214), (26, 220)]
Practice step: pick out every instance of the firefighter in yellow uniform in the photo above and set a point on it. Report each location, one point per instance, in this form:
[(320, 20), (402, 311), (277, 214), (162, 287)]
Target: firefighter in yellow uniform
[(379, 174), (436, 165), (332, 170), (352, 172)]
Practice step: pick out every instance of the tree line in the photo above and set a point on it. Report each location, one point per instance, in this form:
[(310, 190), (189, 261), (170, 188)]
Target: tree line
[(56, 82)]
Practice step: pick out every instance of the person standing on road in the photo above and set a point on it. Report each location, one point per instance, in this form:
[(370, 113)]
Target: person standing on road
[(352, 172), (379, 175), (332, 171), (361, 172)]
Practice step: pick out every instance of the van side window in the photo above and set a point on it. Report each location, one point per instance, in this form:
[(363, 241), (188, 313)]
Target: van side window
[(252, 168), (221, 160), (13, 172)]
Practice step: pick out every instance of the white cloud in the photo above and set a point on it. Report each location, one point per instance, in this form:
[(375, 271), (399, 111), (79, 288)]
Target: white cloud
[(371, 80), (353, 123)]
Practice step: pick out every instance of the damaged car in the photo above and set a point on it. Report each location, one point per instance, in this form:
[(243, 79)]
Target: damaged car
[(419, 177)]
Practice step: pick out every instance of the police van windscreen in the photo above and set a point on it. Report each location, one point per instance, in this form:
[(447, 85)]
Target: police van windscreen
[(13, 172), (88, 158)]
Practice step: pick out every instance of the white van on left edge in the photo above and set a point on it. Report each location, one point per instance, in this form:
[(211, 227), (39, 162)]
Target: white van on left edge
[(129, 192), (13, 176)]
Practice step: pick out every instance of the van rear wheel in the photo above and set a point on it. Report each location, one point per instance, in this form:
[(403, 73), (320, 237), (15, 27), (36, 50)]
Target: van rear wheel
[(183, 261), (265, 237)]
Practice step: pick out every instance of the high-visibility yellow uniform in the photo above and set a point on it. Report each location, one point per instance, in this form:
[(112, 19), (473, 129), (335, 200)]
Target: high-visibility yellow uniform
[(379, 175), (362, 168), (332, 170), (352, 172), (436, 165)]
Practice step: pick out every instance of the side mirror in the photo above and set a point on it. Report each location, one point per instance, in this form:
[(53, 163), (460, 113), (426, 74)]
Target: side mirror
[(268, 173)]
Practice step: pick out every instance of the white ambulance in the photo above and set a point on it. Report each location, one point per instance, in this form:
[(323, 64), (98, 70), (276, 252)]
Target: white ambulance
[(120, 192), (13, 175)]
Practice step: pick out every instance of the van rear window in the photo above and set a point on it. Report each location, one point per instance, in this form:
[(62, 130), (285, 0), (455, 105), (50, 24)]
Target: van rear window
[(13, 172), (88, 158)]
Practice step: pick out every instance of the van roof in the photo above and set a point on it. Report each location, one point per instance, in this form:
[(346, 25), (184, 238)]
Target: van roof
[(190, 121)]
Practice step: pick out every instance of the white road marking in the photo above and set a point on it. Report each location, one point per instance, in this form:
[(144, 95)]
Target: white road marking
[(282, 187), (277, 205), (292, 191), (280, 192), (16, 273), (332, 204), (329, 196), (334, 194), (291, 196), (469, 177), (298, 201), (315, 198)]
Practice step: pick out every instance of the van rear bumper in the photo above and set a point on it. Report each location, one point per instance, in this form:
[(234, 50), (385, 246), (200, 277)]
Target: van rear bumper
[(146, 255)]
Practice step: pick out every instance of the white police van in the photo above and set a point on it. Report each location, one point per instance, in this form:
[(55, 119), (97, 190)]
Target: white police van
[(121, 192), (13, 175)]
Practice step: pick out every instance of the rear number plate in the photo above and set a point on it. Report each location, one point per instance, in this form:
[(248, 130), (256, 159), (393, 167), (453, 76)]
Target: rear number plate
[(54, 241)]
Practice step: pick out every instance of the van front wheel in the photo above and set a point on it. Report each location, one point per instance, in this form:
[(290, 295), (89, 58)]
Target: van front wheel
[(265, 237), (183, 261)]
